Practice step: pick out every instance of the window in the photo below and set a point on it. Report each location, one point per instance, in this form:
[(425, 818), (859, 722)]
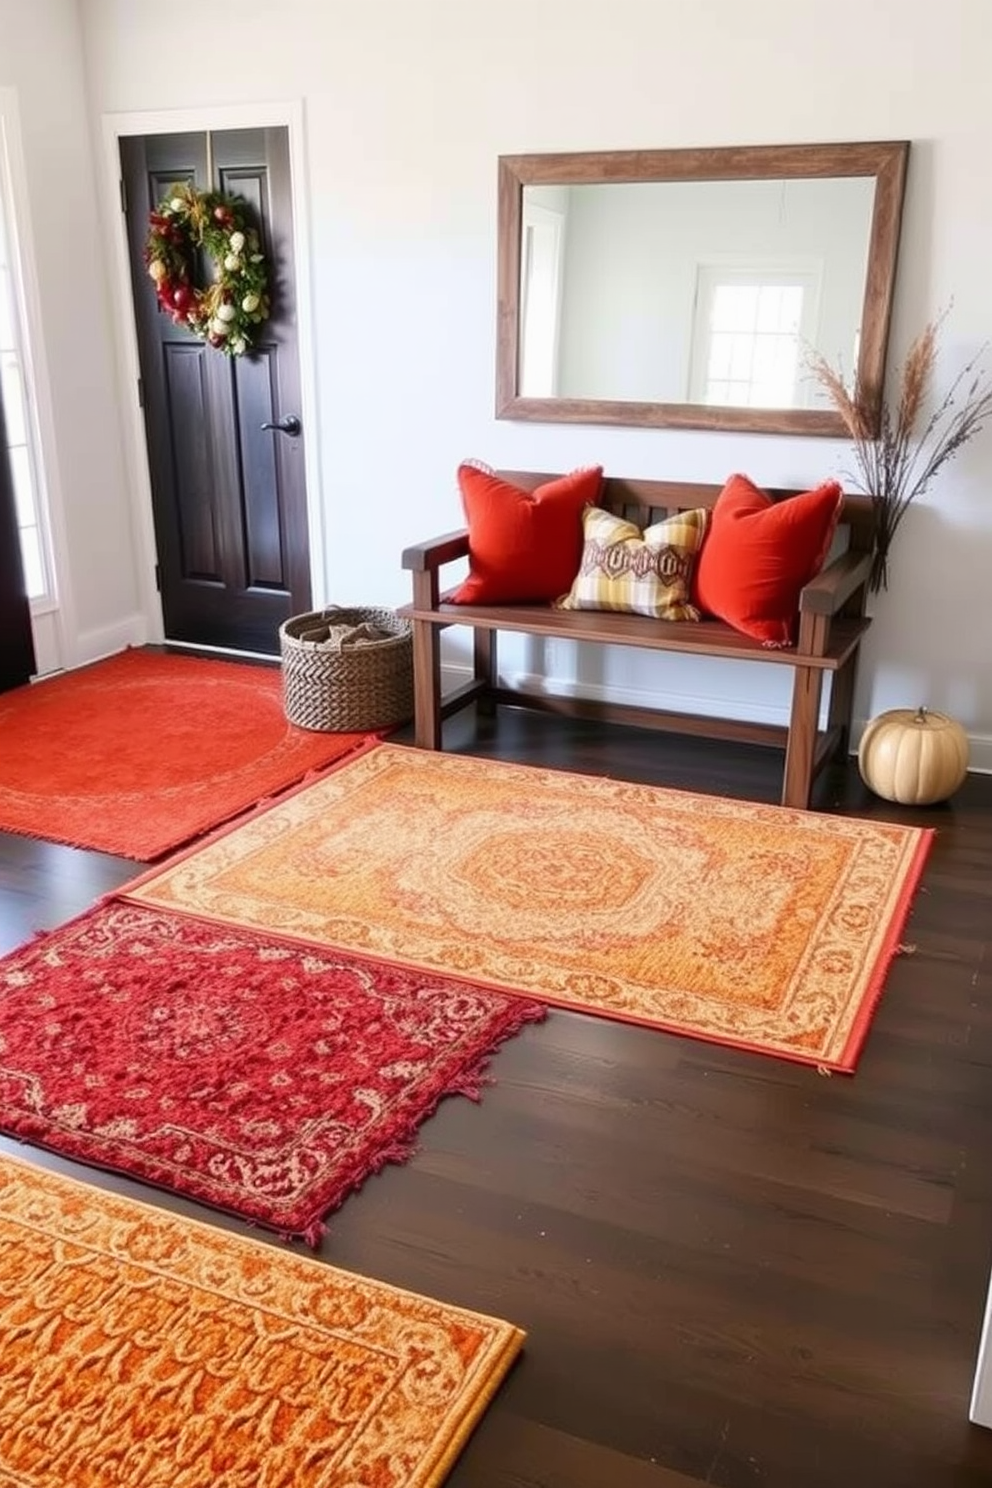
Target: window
[(21, 446), (750, 326)]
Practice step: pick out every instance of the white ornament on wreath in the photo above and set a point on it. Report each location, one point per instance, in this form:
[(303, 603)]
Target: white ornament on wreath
[(227, 312)]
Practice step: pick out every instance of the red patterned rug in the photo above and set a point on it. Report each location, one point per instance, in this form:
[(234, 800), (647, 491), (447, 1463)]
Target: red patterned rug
[(261, 1077), (143, 752)]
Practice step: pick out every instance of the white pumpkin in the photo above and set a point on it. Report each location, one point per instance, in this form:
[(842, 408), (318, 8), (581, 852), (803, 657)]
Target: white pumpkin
[(913, 758)]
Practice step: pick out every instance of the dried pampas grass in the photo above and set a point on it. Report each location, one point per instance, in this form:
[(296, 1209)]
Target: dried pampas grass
[(896, 464)]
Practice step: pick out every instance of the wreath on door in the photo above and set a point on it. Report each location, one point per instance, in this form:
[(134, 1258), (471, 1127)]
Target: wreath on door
[(227, 312)]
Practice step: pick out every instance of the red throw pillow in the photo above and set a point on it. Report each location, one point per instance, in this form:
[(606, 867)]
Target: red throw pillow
[(759, 553), (524, 546)]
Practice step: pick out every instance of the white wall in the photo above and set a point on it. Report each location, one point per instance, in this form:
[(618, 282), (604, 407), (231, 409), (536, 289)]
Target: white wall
[(408, 104), (633, 252), (41, 63)]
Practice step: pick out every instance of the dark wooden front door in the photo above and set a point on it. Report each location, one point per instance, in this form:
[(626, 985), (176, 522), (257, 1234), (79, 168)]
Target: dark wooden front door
[(16, 646), (229, 497)]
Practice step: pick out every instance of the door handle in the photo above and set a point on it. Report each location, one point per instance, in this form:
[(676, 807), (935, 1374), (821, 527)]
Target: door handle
[(288, 424)]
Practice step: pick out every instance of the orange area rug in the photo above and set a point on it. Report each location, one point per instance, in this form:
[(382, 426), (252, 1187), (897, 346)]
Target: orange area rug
[(143, 752), (750, 925), (140, 1347)]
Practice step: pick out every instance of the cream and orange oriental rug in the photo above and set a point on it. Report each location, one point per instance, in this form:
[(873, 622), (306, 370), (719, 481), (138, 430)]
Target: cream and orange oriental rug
[(749, 925), (144, 1350)]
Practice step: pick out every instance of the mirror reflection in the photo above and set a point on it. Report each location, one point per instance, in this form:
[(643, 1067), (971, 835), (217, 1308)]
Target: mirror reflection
[(691, 291), (682, 288)]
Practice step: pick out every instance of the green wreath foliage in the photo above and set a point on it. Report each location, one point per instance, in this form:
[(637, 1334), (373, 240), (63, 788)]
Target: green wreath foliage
[(187, 223)]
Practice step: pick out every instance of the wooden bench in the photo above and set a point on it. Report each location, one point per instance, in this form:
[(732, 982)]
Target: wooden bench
[(831, 624)]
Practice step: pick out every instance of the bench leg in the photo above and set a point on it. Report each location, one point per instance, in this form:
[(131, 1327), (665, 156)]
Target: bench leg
[(800, 750), (842, 703), (426, 685), (484, 658)]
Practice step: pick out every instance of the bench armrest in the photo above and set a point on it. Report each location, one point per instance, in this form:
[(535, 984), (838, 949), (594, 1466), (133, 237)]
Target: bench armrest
[(825, 594), (436, 551)]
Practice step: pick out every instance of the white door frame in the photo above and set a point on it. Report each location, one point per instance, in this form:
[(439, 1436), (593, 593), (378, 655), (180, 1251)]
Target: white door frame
[(199, 121), (53, 622)]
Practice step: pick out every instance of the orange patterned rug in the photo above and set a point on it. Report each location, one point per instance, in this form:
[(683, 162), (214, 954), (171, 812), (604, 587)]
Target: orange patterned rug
[(140, 753), (751, 925), (140, 1347)]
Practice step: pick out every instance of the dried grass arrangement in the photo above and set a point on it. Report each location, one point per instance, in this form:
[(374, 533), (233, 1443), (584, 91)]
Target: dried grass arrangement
[(898, 464)]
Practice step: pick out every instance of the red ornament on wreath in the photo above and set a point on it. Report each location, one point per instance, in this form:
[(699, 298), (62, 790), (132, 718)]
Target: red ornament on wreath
[(227, 312)]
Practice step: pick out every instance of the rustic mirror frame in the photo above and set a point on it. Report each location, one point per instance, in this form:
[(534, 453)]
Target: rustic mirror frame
[(886, 161)]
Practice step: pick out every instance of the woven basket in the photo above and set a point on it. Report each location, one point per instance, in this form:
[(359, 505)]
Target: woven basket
[(347, 688)]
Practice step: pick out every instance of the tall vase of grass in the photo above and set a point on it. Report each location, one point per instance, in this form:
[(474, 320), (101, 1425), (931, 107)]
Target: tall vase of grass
[(897, 464)]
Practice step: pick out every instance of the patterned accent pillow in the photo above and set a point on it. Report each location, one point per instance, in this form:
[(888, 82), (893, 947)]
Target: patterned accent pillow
[(641, 573)]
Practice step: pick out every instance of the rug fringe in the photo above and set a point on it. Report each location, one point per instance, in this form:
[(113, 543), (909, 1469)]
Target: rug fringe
[(472, 1089), (404, 1143), (314, 1233)]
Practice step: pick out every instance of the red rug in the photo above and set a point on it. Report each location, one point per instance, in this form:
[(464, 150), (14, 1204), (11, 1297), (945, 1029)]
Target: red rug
[(141, 753), (261, 1077)]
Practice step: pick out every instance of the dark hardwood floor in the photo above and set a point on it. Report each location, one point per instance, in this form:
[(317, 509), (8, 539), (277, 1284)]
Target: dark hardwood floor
[(732, 1269)]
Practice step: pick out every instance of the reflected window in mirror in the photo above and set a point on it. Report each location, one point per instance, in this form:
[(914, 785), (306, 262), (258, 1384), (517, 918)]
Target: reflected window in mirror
[(683, 287), (749, 330)]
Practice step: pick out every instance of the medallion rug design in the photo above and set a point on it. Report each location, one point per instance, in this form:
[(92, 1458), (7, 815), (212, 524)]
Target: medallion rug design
[(258, 1076), (148, 1351), (140, 753), (751, 925)]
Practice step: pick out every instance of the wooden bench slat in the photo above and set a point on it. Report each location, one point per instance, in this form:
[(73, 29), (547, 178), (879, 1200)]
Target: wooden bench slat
[(699, 637)]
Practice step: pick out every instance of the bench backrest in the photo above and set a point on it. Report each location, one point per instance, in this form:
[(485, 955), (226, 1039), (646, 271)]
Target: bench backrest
[(648, 501)]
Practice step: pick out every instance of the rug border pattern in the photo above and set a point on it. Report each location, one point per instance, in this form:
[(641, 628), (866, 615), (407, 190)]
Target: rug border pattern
[(908, 848)]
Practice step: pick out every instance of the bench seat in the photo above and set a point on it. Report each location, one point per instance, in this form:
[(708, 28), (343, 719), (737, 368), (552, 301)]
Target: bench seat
[(830, 627)]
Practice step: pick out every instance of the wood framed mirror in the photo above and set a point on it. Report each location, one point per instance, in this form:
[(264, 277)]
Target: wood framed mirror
[(681, 288)]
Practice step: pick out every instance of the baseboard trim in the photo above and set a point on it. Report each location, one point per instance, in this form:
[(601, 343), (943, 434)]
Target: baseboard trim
[(94, 645), (980, 745), (46, 634)]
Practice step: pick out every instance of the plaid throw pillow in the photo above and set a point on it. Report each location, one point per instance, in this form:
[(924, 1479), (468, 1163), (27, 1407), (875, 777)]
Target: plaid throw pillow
[(642, 573)]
